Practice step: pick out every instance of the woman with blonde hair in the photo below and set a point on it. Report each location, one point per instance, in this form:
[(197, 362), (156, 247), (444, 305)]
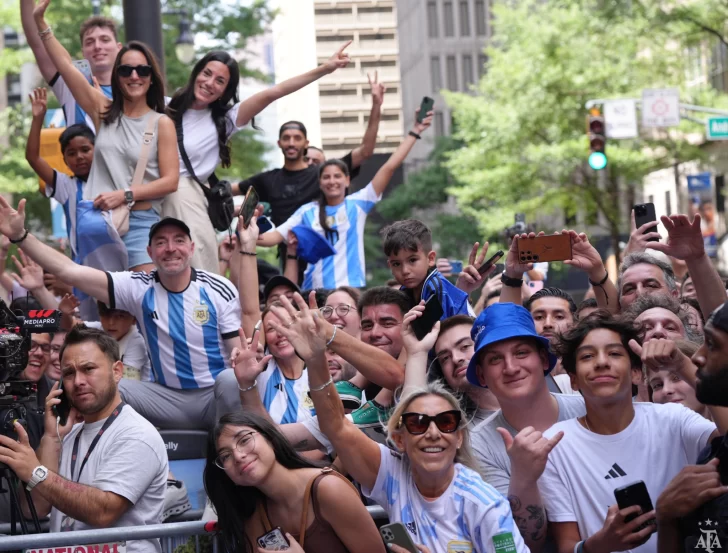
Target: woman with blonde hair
[(429, 483)]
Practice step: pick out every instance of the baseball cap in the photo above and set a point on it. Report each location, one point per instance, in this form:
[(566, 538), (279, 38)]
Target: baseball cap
[(719, 317), (167, 222), (278, 280), (503, 321), (312, 247)]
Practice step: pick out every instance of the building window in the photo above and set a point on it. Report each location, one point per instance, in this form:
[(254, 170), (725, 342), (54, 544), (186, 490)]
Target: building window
[(376, 9), (11, 38), (332, 11), (449, 18), (435, 74), (374, 38), (467, 71), (339, 92), (452, 73), (15, 95), (439, 124), (480, 16), (464, 18), (378, 64), (335, 38), (482, 65), (340, 119), (432, 19)]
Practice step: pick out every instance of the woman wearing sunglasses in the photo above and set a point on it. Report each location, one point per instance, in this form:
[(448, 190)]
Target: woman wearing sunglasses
[(209, 112), (430, 483), (257, 482), (137, 107)]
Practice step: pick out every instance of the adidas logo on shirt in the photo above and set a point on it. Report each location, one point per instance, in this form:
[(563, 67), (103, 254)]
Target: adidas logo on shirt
[(615, 472)]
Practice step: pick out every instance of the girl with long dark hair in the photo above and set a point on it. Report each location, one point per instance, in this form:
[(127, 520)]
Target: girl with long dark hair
[(209, 112), (133, 116), (340, 218), (256, 481)]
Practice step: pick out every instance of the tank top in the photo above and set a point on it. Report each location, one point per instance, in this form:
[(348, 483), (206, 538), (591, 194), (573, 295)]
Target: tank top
[(320, 536), (116, 152)]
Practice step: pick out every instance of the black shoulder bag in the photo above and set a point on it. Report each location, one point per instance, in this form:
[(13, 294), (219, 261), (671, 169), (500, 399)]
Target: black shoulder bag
[(220, 206)]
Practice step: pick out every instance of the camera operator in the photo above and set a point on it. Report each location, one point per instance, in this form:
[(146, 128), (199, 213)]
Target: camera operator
[(81, 473)]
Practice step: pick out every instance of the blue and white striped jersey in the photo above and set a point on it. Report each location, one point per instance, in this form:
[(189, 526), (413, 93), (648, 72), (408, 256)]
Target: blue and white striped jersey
[(346, 266), (73, 112), (185, 331), (67, 191), (285, 400)]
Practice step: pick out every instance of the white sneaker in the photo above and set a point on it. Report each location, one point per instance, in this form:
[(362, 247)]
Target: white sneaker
[(176, 501)]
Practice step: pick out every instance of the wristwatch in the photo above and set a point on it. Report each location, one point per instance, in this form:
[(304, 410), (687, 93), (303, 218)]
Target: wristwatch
[(128, 196), (40, 473), (510, 281)]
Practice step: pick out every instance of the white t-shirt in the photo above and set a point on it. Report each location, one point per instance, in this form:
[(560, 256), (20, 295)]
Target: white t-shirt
[(285, 400), (467, 517), (129, 460), (200, 140), (585, 468), (490, 451)]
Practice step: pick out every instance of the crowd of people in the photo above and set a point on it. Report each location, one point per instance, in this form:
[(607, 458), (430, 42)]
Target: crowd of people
[(508, 426)]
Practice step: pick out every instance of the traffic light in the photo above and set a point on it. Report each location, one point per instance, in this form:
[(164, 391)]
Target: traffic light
[(597, 140)]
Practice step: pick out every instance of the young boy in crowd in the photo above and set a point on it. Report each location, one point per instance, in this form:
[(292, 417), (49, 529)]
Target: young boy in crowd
[(77, 147), (408, 247)]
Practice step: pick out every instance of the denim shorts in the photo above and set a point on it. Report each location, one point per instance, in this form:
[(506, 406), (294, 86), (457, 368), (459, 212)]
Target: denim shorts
[(137, 239)]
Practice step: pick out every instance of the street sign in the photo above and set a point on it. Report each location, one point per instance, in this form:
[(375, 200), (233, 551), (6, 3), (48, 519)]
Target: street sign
[(660, 107), (716, 128), (620, 117), (699, 182)]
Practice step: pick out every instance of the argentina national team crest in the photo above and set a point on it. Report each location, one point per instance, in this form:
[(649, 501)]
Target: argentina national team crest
[(201, 314), (457, 546), (709, 539)]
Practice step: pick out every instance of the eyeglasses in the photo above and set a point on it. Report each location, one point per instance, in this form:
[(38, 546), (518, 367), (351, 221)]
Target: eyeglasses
[(45, 348), (141, 70), (417, 423), (342, 310), (56, 349), (244, 445)]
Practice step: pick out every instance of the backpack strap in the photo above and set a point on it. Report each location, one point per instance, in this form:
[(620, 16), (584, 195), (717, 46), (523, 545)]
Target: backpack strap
[(147, 139), (307, 497)]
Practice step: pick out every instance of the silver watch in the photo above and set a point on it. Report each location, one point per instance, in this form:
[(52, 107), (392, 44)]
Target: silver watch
[(129, 196), (40, 473)]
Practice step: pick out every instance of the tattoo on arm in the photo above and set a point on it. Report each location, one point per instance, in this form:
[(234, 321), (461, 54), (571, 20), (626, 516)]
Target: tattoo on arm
[(531, 519)]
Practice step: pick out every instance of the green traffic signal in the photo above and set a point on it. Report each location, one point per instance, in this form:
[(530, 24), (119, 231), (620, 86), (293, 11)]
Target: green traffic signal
[(597, 160)]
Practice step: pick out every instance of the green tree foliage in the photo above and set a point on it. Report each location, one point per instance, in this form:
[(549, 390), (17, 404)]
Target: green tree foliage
[(523, 130)]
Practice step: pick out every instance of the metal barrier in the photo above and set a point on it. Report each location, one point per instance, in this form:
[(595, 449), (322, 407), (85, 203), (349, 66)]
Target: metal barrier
[(167, 532)]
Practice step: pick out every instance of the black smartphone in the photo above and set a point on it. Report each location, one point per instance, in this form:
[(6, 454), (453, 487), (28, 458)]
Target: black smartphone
[(645, 213), (63, 409), (433, 312), (264, 224), (633, 494), (247, 210), (485, 267), (274, 540), (425, 107)]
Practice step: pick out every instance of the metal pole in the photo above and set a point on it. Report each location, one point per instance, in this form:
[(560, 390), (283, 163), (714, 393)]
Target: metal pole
[(143, 22)]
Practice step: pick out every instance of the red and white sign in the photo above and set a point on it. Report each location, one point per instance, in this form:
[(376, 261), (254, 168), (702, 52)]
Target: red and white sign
[(660, 107), (111, 547)]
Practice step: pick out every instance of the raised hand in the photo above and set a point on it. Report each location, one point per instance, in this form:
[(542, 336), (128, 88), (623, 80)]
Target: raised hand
[(245, 361), (54, 398), (249, 235), (39, 102), (470, 279), (339, 60), (426, 122), (409, 340), (661, 353), (584, 256), (12, 222), (444, 266), (68, 305), (378, 89), (304, 329), (528, 452), (29, 275), (684, 238), (513, 267), (292, 246), (638, 240), (39, 12)]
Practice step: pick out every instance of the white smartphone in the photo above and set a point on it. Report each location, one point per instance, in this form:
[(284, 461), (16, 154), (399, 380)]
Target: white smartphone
[(84, 67), (274, 540)]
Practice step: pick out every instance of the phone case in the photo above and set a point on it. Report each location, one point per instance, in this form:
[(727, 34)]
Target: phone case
[(634, 494), (274, 540), (485, 267), (397, 534), (433, 313), (426, 105), (645, 213), (554, 247), (247, 210)]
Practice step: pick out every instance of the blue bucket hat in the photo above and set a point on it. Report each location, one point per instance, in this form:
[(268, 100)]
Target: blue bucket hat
[(312, 247), (503, 321)]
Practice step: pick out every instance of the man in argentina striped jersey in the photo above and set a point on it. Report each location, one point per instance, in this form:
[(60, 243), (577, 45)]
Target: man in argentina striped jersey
[(189, 319)]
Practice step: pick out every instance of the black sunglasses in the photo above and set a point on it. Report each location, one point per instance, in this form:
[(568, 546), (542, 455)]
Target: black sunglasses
[(417, 423), (142, 70)]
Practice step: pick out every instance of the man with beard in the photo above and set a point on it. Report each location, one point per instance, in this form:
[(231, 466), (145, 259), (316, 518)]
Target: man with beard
[(189, 319), (692, 511), (81, 472)]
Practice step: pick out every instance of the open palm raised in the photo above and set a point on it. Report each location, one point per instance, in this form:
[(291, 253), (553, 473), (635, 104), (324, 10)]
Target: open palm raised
[(12, 221)]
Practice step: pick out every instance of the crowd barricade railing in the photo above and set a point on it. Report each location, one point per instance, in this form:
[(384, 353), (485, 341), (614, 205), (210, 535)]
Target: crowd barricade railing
[(171, 534)]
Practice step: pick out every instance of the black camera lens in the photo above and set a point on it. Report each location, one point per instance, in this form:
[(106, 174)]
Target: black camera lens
[(535, 258)]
